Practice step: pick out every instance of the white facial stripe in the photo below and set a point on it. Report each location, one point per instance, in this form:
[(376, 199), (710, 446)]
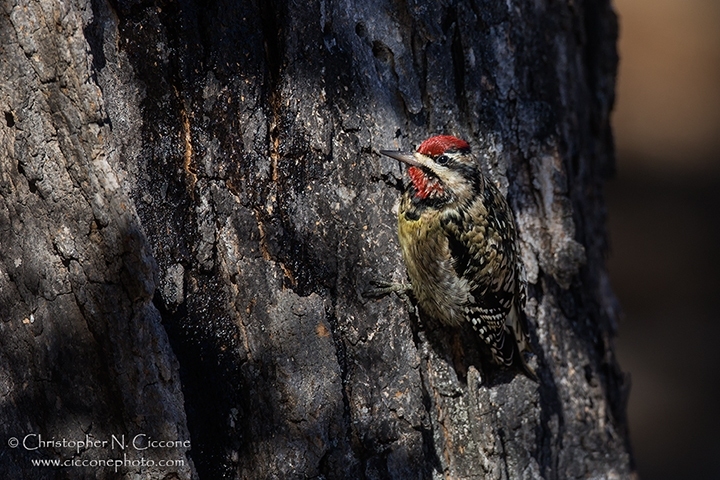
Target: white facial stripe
[(453, 182)]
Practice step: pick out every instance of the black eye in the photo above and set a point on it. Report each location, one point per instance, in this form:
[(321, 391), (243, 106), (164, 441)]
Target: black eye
[(442, 159)]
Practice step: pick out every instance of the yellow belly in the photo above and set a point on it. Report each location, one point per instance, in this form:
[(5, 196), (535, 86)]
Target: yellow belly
[(441, 293)]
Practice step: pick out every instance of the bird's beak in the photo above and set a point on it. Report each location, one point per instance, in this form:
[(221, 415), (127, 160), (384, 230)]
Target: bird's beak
[(405, 157)]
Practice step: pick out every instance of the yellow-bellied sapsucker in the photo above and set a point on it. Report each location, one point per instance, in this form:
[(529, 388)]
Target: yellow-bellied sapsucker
[(459, 243)]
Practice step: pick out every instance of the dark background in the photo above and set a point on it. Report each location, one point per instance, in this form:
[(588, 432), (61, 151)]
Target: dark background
[(664, 220)]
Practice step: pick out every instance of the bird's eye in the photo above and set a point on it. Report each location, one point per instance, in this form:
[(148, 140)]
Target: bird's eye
[(442, 159)]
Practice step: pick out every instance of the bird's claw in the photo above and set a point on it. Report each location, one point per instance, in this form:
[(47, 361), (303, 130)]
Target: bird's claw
[(382, 288)]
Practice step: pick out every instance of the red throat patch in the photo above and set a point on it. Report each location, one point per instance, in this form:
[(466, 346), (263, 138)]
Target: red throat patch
[(439, 144), (424, 186)]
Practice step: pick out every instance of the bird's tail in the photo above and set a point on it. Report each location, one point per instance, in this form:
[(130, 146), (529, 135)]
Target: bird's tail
[(512, 351)]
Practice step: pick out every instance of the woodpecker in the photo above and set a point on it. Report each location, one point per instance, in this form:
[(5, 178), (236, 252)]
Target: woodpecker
[(459, 243)]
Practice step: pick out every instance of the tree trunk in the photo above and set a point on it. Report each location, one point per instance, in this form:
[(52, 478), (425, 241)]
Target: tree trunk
[(192, 204)]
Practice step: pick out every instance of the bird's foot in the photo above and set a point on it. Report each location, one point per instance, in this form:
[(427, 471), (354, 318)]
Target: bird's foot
[(380, 289), (403, 290)]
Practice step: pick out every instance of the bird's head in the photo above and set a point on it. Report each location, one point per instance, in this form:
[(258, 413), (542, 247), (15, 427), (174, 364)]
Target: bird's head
[(442, 170)]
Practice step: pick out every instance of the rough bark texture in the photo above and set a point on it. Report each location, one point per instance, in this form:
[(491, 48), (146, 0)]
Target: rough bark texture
[(192, 203)]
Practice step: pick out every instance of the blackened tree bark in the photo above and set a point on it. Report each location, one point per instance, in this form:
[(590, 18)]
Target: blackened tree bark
[(192, 204)]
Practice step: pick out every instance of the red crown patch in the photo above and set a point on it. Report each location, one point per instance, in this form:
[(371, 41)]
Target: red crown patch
[(439, 144)]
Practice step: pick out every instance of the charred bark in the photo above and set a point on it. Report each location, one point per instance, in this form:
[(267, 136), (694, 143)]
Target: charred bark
[(192, 204)]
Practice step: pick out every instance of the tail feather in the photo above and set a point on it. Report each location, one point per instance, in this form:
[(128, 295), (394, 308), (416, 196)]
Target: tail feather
[(507, 351), (508, 346), (521, 343), (517, 327), (506, 336)]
